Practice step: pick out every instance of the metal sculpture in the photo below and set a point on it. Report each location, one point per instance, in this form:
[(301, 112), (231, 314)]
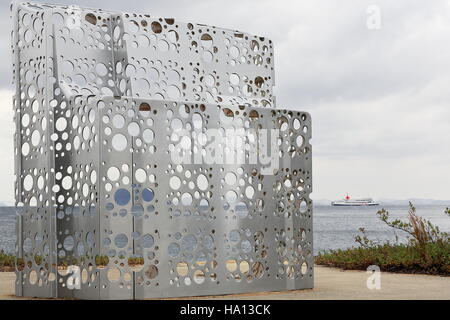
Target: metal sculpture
[(121, 191)]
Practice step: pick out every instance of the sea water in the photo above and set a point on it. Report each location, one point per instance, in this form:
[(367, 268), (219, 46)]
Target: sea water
[(334, 227)]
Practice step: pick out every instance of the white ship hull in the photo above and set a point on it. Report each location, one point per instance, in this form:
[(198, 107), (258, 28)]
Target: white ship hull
[(354, 204), (348, 202)]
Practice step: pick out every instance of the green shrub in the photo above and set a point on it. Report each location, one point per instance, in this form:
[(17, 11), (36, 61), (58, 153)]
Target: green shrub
[(427, 250), (7, 262)]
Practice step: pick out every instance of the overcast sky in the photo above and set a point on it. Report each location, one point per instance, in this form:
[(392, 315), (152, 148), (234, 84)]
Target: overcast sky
[(379, 98)]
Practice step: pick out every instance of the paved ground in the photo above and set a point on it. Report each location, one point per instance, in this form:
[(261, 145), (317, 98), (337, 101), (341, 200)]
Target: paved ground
[(331, 284), (7, 285)]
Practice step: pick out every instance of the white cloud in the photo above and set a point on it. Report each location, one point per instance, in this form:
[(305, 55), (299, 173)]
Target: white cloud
[(379, 98)]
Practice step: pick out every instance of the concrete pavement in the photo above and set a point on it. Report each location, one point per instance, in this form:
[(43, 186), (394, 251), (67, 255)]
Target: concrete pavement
[(330, 284)]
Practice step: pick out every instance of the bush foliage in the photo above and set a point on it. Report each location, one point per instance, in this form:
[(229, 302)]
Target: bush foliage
[(7, 261), (427, 250)]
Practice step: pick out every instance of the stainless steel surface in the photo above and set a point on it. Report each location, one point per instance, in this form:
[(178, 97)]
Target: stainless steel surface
[(103, 100)]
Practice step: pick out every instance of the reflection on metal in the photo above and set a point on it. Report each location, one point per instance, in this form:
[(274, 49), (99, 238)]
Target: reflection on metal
[(103, 100)]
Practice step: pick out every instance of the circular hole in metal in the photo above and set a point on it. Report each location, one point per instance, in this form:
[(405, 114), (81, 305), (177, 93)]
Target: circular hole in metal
[(244, 267), (118, 121), (148, 195), (197, 121), (231, 265), (148, 136), (199, 276), (28, 183), (141, 175), (186, 199), (101, 70), (182, 269), (175, 183), (189, 243), (241, 210), (151, 272), (113, 274), (134, 129), (69, 243), (202, 182), (235, 79), (246, 246), (91, 18), (122, 197), (304, 268), (174, 249), (231, 196), (121, 240), (156, 27), (147, 241), (113, 174), (119, 142)]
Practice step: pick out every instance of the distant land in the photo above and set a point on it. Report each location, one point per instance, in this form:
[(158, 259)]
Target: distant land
[(326, 202), (395, 202), (6, 204)]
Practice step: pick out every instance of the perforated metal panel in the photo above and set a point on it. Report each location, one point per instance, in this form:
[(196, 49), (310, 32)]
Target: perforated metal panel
[(122, 192)]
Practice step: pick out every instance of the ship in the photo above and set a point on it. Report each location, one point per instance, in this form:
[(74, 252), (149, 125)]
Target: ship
[(347, 202)]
